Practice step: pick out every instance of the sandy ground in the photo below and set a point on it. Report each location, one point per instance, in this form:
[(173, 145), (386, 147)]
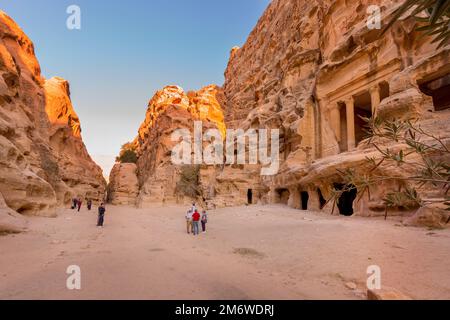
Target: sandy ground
[(253, 252)]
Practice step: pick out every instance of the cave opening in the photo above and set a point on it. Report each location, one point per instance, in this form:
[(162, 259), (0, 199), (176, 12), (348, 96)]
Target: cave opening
[(305, 199), (363, 109), (347, 199), (250, 196)]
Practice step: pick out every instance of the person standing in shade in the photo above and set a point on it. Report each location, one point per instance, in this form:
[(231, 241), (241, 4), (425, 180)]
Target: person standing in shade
[(89, 204), (79, 202), (101, 215), (204, 221), (195, 221), (189, 221)]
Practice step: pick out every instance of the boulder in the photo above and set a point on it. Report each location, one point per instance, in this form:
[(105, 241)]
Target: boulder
[(123, 187), (430, 217)]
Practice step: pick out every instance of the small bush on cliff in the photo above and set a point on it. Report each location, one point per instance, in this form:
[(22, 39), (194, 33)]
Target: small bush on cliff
[(127, 154), (189, 183)]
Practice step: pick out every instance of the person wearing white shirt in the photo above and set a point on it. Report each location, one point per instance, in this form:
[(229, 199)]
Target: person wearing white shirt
[(189, 221)]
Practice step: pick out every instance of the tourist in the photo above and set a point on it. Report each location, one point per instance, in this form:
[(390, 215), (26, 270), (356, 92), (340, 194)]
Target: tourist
[(101, 215), (204, 221), (194, 207), (74, 203), (89, 204), (189, 221), (195, 221), (79, 202)]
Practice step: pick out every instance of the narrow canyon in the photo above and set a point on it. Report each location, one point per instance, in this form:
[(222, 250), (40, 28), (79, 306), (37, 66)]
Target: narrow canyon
[(312, 70)]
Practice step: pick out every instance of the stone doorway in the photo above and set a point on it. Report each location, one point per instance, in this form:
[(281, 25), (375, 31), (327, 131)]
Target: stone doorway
[(363, 109), (439, 90), (304, 196), (346, 201), (250, 196)]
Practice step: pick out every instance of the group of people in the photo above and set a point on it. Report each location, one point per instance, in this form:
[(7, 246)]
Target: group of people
[(193, 218), (78, 202)]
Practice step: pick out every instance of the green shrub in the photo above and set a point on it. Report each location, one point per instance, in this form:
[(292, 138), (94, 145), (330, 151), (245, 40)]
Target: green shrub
[(189, 183), (127, 154)]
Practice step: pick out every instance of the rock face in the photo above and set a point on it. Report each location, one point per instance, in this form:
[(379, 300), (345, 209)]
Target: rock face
[(10, 221), (80, 175), (43, 161), (123, 187), (171, 109), (311, 69)]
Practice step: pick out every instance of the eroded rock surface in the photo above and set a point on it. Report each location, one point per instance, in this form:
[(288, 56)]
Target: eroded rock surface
[(123, 187), (43, 161)]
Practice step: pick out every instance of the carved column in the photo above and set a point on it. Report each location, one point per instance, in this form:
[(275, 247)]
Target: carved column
[(335, 119), (350, 105), (375, 97)]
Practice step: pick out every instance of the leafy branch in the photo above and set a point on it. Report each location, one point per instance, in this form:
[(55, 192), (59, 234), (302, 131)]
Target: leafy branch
[(433, 16), (405, 145)]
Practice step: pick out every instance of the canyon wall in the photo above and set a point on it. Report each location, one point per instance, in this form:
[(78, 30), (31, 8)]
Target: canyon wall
[(43, 161), (171, 109), (311, 69)]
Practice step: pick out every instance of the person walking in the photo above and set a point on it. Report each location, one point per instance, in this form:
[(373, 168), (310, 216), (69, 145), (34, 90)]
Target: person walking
[(79, 202), (89, 204), (204, 221), (189, 221), (101, 215), (74, 203), (195, 221)]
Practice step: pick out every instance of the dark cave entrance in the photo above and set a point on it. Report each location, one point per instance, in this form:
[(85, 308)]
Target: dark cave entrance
[(305, 199), (250, 196), (346, 200)]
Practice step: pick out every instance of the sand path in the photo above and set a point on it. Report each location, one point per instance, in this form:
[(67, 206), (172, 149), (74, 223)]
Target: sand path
[(270, 252)]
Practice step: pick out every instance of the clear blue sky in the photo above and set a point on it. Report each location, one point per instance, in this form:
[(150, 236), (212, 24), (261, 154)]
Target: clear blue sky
[(126, 50)]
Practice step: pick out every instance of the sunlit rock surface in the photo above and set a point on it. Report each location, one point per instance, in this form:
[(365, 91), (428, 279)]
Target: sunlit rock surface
[(43, 161)]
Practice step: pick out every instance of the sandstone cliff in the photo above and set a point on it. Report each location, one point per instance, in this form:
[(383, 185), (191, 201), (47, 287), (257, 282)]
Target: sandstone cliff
[(171, 109), (311, 69), (43, 161)]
